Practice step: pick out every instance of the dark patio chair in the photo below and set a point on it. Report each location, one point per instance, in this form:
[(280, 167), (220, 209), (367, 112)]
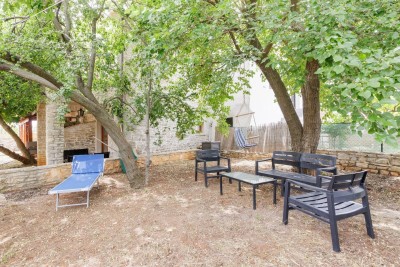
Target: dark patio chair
[(210, 162), (332, 204)]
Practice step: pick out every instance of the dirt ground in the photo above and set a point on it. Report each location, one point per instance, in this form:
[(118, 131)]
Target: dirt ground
[(176, 221)]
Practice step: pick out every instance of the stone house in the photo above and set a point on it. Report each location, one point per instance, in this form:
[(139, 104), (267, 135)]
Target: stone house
[(81, 132)]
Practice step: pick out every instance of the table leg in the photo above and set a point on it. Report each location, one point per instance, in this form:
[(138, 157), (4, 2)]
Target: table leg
[(282, 187), (254, 197), (220, 185), (275, 183), (239, 186)]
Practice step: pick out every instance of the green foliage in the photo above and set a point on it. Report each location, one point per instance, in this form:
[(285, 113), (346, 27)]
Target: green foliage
[(359, 51), (337, 132), (37, 40), (183, 65), (18, 97)]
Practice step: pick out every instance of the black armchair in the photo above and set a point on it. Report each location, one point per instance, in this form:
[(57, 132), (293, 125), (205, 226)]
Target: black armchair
[(209, 161), (332, 204)]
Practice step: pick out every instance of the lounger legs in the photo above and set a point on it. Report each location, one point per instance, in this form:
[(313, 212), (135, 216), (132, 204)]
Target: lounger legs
[(87, 203), (57, 202)]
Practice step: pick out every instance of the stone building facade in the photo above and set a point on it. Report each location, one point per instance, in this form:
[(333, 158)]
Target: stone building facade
[(54, 137)]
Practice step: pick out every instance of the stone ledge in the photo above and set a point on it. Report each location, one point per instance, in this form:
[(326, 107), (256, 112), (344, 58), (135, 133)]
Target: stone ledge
[(36, 177)]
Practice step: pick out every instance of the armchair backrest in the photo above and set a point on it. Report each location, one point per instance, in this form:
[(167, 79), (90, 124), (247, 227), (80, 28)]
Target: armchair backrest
[(286, 158), (208, 155), (315, 161), (349, 180), (347, 187)]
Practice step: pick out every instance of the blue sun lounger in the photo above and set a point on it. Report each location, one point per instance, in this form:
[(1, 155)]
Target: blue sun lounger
[(86, 170)]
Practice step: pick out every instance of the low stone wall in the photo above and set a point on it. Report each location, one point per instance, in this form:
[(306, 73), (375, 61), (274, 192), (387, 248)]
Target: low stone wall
[(35, 177), (162, 158), (378, 163)]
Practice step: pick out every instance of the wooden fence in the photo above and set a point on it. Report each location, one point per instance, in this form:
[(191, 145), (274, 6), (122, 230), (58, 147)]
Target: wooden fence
[(274, 136)]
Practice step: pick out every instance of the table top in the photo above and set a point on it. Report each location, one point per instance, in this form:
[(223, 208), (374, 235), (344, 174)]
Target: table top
[(248, 178)]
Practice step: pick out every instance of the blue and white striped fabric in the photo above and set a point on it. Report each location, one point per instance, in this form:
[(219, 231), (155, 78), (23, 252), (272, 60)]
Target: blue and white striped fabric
[(241, 140)]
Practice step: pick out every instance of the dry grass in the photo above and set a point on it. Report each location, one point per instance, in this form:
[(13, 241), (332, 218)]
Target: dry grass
[(178, 222)]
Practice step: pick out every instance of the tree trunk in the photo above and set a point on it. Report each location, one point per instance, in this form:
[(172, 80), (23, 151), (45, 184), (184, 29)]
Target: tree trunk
[(27, 158), (286, 105), (311, 108), (135, 178), (148, 152), (40, 76), (147, 121), (15, 156)]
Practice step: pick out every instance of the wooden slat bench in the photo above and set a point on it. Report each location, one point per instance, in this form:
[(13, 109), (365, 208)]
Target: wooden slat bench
[(300, 163)]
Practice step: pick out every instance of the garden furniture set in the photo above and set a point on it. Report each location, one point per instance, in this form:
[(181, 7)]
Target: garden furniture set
[(324, 194)]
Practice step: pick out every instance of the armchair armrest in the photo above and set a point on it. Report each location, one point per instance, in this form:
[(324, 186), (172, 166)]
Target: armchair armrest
[(319, 177), (327, 169), (259, 161), (228, 160), (306, 186), (198, 160)]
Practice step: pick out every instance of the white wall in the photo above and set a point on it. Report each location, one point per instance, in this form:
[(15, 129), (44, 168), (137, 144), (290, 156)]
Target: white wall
[(261, 101)]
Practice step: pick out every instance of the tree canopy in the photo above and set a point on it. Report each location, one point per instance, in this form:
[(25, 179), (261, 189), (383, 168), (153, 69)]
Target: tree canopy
[(18, 97), (346, 50), (342, 56)]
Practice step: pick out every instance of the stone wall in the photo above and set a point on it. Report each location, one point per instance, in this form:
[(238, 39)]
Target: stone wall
[(36, 177), (80, 136), (41, 134), (378, 163), (168, 137), (54, 136)]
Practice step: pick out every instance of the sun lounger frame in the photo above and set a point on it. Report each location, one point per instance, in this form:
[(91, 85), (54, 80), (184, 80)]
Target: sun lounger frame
[(92, 177)]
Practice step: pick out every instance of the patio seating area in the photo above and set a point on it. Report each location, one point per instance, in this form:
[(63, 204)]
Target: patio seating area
[(176, 221)]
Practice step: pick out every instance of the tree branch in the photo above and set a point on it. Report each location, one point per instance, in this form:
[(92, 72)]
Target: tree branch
[(68, 23), (92, 60), (122, 101), (22, 18), (235, 42), (27, 159), (32, 68), (28, 75)]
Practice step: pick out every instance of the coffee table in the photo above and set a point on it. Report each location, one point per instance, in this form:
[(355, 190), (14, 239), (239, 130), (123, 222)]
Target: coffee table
[(247, 178)]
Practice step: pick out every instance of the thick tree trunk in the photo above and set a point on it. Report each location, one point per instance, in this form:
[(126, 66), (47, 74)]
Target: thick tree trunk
[(286, 105), (311, 108), (135, 178), (15, 156), (27, 157)]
